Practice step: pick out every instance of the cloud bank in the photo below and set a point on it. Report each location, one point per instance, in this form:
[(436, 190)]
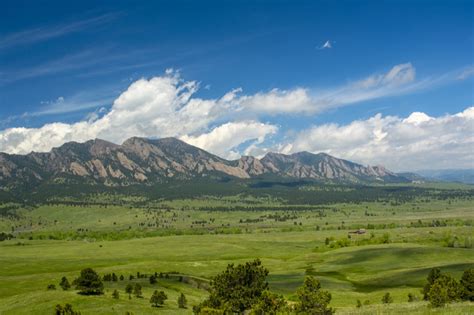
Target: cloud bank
[(412, 143), (228, 126)]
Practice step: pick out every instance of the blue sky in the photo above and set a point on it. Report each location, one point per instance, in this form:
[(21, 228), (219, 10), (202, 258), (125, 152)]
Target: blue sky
[(343, 77)]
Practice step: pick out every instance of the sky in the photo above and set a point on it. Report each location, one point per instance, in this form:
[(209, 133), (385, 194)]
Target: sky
[(375, 82)]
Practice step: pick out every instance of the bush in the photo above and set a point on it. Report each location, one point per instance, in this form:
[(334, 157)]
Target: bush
[(467, 285), (453, 288), (432, 277), (153, 279), (51, 287), (412, 297), (66, 310), (444, 290), (438, 295), (387, 298)]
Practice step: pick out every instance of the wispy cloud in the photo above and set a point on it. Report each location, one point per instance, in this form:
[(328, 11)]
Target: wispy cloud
[(327, 45), (69, 62), (75, 103), (468, 72), (35, 35), (86, 59)]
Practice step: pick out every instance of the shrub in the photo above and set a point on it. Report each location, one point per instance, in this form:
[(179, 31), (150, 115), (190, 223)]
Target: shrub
[(51, 287), (432, 277), (152, 279), (387, 298), (467, 285), (453, 288), (412, 297), (438, 295), (65, 310), (444, 290)]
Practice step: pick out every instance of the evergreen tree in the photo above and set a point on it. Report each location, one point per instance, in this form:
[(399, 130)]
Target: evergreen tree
[(129, 290), (268, 303), (438, 295), (89, 283), (116, 294), (432, 276), (158, 298), (467, 285), (444, 290), (64, 284), (313, 300), (137, 290), (182, 301), (237, 288)]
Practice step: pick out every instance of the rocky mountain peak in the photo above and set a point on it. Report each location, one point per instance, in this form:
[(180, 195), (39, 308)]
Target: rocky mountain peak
[(141, 160)]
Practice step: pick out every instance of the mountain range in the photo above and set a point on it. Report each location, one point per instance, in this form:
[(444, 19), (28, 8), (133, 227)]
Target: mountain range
[(147, 161)]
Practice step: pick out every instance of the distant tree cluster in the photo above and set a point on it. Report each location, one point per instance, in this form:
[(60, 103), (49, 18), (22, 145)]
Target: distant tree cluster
[(243, 289), (442, 288), (6, 236)]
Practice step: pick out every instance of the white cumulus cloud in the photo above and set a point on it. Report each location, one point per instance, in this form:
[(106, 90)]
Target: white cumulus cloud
[(159, 107), (166, 105), (224, 139), (416, 142)]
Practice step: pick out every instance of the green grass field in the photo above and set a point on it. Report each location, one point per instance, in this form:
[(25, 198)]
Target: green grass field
[(197, 239)]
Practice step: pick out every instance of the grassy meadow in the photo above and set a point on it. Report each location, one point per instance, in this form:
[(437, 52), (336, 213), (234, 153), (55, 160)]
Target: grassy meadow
[(191, 240)]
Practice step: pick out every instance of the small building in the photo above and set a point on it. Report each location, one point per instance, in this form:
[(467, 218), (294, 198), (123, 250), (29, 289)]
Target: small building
[(359, 231)]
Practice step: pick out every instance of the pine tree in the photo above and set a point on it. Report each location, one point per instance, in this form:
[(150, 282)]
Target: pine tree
[(182, 301), (467, 285), (137, 290), (116, 294), (64, 284), (158, 298), (89, 283), (129, 290), (312, 299)]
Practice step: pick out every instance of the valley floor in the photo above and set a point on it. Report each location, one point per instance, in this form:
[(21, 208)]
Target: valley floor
[(394, 256)]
